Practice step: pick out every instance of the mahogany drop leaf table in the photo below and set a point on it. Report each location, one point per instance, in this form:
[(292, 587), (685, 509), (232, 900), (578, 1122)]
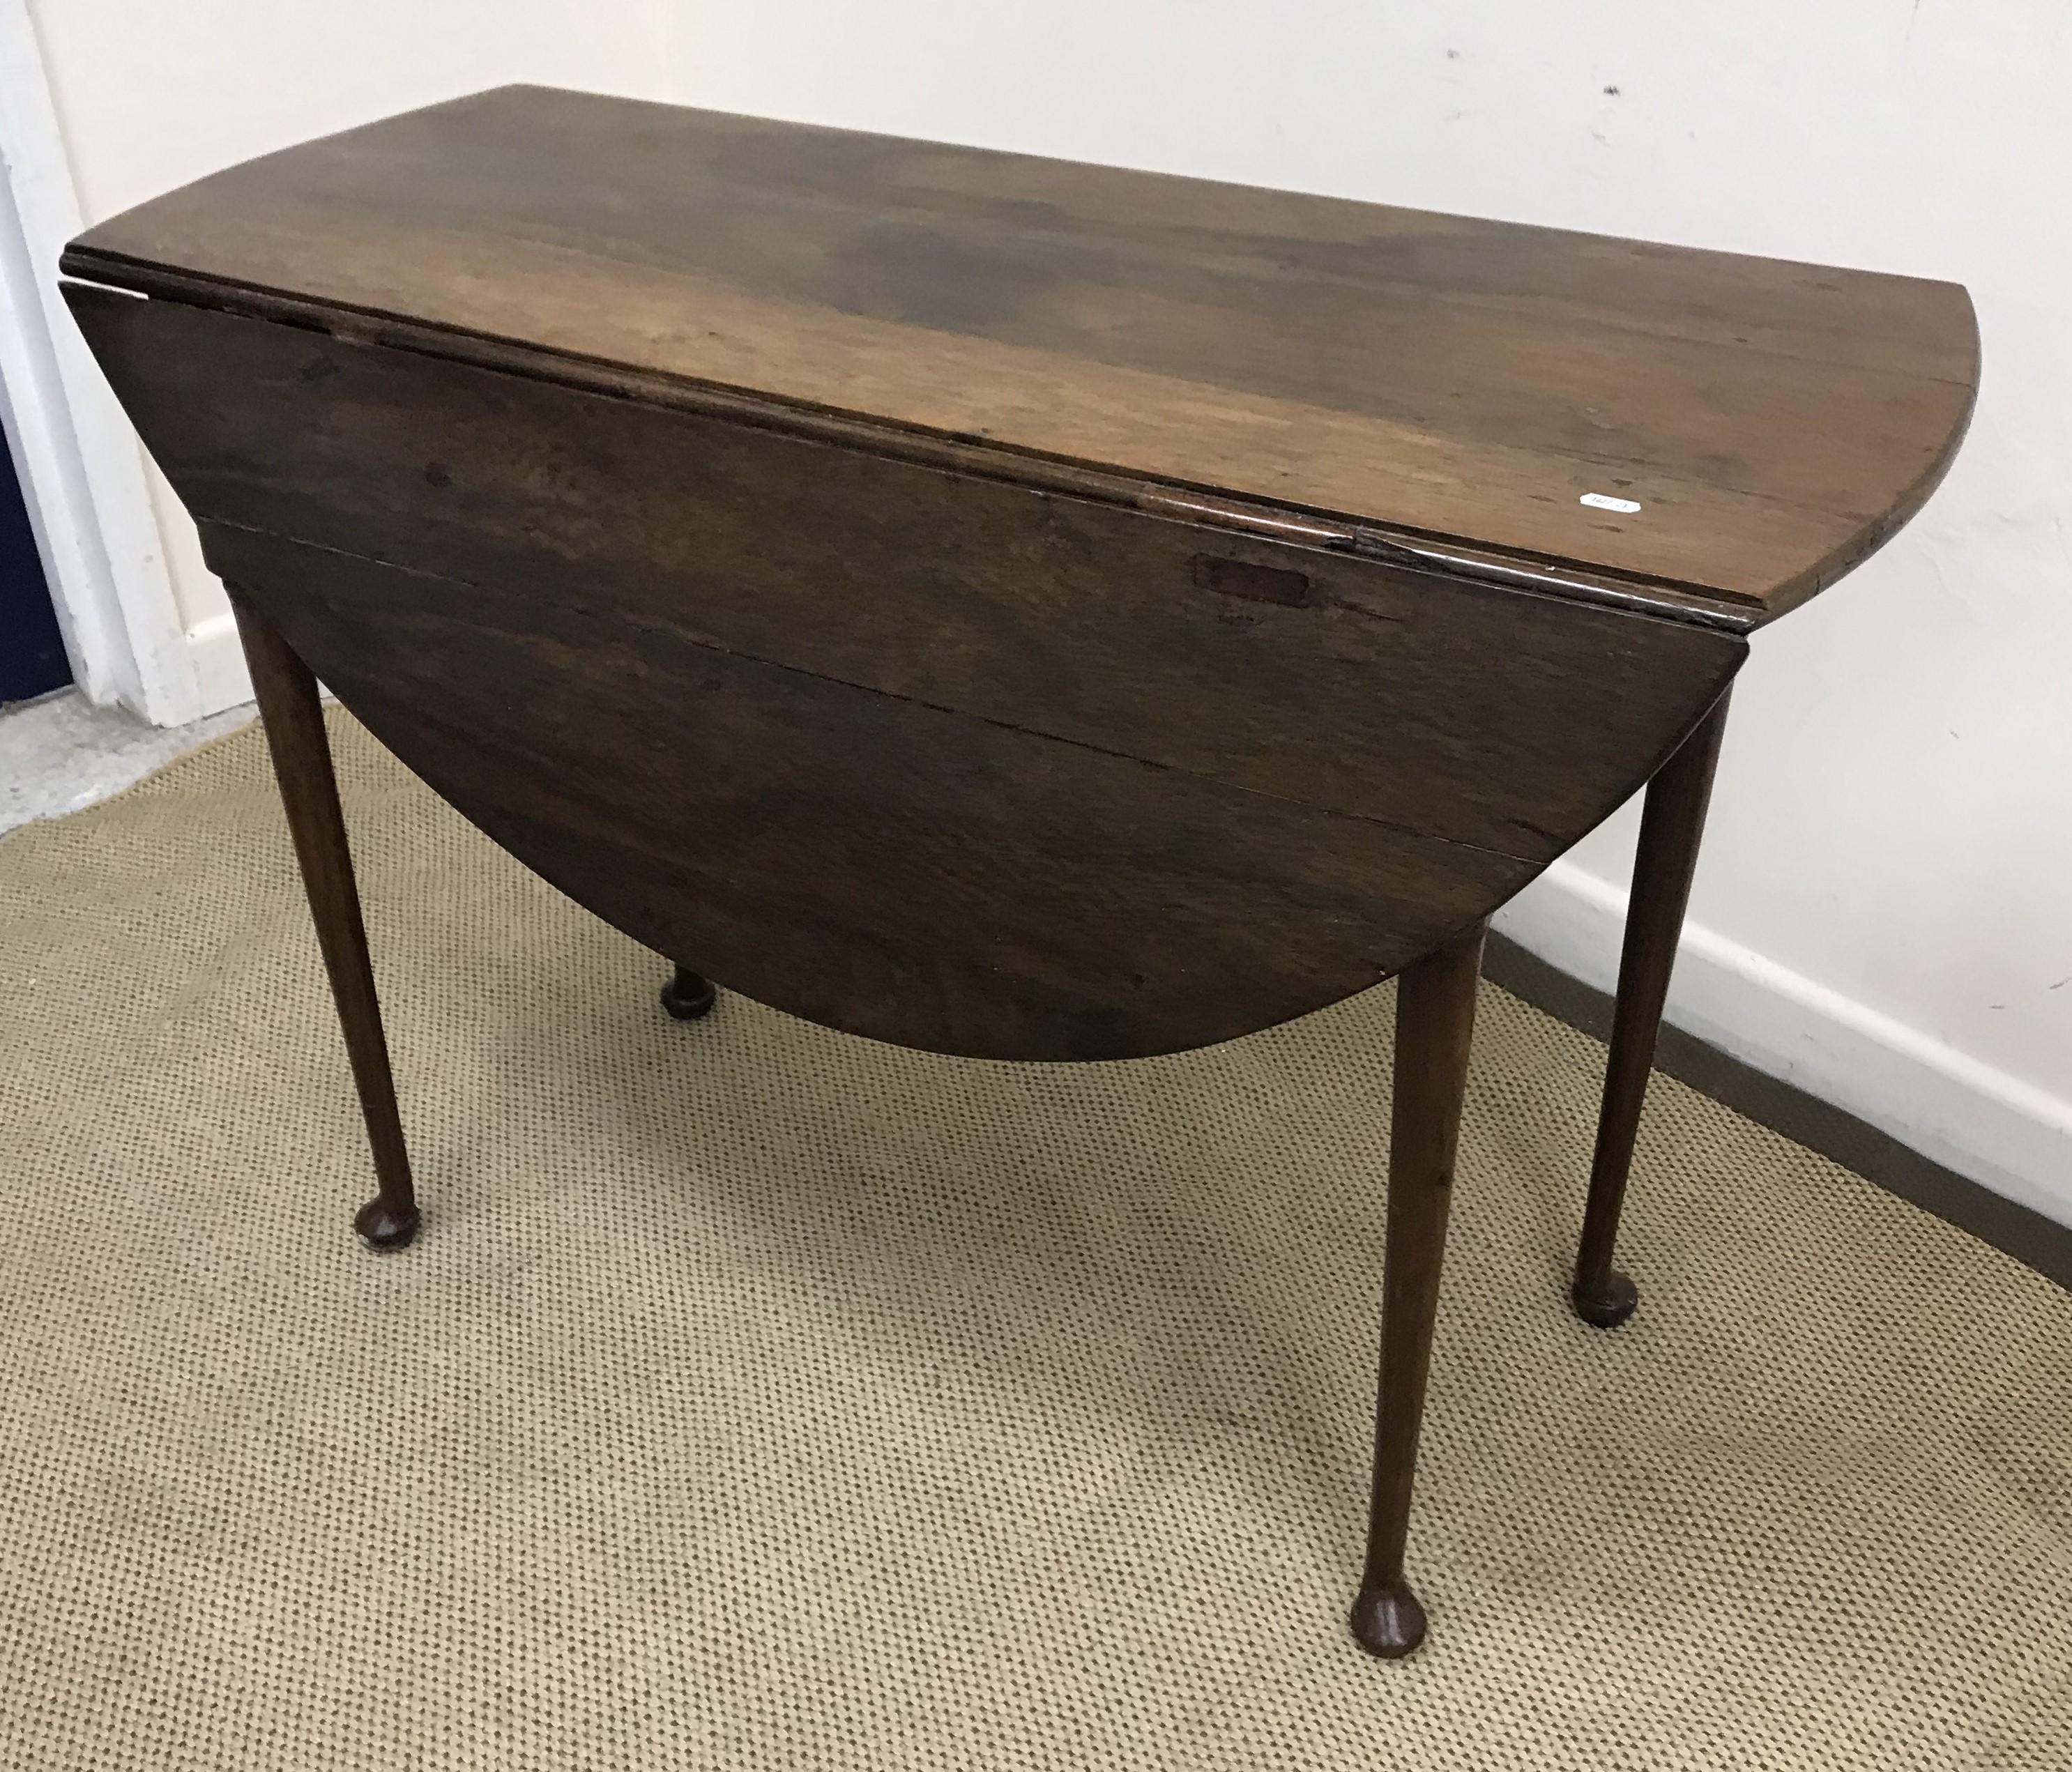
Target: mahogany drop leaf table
[(1004, 606)]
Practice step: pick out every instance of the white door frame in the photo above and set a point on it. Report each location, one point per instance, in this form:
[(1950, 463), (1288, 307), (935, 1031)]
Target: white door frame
[(82, 470)]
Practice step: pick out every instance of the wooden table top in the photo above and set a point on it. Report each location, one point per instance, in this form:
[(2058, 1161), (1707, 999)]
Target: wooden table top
[(1467, 382)]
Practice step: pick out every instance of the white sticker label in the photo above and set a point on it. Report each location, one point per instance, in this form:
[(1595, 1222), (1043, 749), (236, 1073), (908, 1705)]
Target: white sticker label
[(1604, 501)]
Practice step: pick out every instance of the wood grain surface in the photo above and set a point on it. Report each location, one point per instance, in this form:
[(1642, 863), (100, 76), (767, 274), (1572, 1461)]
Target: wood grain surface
[(1483, 717), (916, 754), (1435, 1026), (1454, 378), (292, 712), (872, 864)]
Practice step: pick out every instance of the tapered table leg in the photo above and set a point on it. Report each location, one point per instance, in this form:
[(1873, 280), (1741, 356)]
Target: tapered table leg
[(293, 712), (1435, 1021), (1671, 824)]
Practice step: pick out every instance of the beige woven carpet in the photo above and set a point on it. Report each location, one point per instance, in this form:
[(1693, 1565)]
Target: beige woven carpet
[(758, 1397)]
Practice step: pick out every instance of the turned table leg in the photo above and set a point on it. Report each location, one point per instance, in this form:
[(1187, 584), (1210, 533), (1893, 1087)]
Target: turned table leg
[(289, 706), (1672, 823), (1435, 1020)]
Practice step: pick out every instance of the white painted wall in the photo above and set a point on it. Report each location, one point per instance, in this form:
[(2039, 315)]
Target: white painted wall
[(1884, 911), (149, 97)]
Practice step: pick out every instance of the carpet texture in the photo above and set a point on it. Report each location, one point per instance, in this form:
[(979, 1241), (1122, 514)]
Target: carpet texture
[(759, 1397)]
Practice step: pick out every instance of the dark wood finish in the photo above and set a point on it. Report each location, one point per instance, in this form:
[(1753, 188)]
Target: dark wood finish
[(293, 713), (687, 996), (869, 862), (728, 687), (1448, 377), (1001, 606), (1356, 684), (1435, 1023), (1671, 824)]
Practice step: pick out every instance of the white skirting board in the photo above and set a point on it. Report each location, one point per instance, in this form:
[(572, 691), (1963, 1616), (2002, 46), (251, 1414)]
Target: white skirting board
[(219, 663), (1993, 1128)]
